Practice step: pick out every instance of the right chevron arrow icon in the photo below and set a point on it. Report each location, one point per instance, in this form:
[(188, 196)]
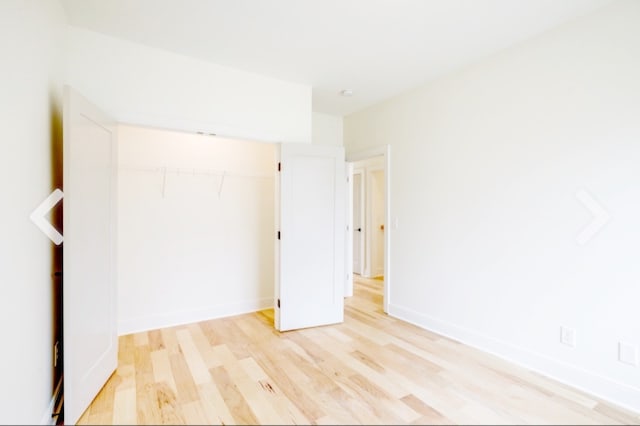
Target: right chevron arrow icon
[(600, 217)]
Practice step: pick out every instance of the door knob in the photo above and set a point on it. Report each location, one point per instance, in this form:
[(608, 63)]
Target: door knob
[(359, 229)]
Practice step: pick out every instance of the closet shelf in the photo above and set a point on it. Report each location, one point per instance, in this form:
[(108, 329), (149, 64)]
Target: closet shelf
[(195, 172)]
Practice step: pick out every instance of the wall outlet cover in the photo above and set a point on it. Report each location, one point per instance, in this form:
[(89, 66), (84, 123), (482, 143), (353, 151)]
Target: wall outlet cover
[(568, 336), (628, 353)]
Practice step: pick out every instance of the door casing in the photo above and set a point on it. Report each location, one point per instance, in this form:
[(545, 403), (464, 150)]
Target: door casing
[(390, 224)]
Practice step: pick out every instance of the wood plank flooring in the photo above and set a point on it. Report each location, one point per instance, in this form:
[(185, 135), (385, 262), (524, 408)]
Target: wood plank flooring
[(372, 369)]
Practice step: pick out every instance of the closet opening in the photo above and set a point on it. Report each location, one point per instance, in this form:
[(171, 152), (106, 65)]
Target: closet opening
[(195, 227)]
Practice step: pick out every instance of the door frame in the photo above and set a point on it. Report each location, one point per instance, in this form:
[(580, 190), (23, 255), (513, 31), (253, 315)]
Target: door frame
[(371, 226), (363, 219), (385, 152), (351, 171)]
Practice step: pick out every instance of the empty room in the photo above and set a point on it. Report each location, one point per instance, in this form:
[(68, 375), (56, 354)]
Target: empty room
[(320, 212)]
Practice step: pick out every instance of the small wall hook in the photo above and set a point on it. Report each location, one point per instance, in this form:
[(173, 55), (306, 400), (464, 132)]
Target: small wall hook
[(221, 183), (164, 180)]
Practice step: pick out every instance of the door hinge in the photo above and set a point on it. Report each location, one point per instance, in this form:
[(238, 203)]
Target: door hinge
[(279, 167), (278, 234), (278, 303)]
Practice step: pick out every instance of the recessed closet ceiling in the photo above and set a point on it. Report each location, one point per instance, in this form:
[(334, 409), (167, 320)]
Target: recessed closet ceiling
[(377, 48)]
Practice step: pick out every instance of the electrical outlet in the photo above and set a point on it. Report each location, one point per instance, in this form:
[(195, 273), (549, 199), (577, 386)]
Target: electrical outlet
[(568, 336), (628, 353)]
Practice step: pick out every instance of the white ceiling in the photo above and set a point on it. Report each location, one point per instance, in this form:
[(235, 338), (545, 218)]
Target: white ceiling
[(378, 48)]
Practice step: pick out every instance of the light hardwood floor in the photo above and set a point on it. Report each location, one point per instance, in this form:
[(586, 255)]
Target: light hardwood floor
[(372, 369)]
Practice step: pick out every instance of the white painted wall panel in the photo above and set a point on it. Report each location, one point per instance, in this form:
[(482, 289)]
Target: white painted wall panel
[(147, 86), (326, 129), (487, 165), (192, 246), (31, 42)]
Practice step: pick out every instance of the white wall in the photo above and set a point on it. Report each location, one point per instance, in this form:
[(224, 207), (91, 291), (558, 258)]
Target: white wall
[(486, 165), (204, 248), (141, 85), (31, 41), (326, 129)]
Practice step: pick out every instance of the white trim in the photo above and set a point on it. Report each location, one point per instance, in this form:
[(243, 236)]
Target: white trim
[(362, 246), (348, 267), (620, 394), (47, 417), (368, 153), (153, 322), (385, 152)]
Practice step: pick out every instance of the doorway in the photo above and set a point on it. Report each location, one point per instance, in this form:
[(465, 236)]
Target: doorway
[(358, 218), (369, 215)]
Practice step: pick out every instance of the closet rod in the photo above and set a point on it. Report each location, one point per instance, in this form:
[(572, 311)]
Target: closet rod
[(195, 172)]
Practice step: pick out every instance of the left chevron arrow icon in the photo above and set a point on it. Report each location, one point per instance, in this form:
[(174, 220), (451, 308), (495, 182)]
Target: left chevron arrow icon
[(38, 218)]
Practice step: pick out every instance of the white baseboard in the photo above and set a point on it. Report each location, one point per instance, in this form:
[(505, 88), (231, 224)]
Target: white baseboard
[(153, 322), (47, 417), (620, 394)]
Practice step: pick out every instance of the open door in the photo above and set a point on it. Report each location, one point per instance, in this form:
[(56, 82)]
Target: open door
[(89, 273), (310, 252), (357, 233)]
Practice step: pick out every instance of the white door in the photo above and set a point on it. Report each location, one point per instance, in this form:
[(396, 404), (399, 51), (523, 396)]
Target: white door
[(89, 287), (376, 242), (358, 222), (311, 247)]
